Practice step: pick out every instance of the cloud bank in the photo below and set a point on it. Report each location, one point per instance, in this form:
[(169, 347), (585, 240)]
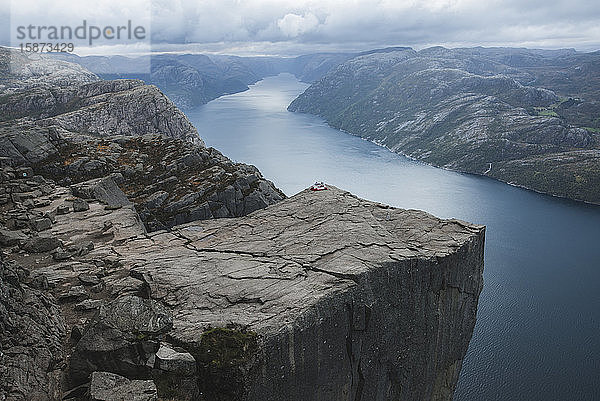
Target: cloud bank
[(289, 27), (285, 25)]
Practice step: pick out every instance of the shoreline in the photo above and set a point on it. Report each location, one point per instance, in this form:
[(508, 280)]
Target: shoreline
[(512, 184)]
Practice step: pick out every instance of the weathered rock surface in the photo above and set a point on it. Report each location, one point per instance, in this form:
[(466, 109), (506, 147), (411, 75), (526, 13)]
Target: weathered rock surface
[(169, 181), (320, 296), (107, 386), (104, 190), (350, 299), (20, 71), (134, 134), (124, 108), (78, 102), (32, 330), (170, 359), (121, 338)]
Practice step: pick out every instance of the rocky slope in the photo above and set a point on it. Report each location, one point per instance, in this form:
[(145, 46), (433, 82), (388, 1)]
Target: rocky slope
[(485, 111), (133, 132), (169, 181), (320, 296), (19, 71), (121, 107)]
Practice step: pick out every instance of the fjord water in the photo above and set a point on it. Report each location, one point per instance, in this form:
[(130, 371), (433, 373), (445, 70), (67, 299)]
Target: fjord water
[(538, 326)]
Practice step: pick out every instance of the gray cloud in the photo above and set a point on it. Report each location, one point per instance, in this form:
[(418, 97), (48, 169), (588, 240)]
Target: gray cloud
[(289, 27)]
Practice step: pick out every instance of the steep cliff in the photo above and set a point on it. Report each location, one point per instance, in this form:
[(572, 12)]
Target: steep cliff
[(483, 111), (320, 296)]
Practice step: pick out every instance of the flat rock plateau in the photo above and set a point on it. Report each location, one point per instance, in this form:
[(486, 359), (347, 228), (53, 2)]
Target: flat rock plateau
[(137, 264)]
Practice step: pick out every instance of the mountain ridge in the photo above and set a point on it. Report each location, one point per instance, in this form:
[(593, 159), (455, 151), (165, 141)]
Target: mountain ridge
[(463, 109)]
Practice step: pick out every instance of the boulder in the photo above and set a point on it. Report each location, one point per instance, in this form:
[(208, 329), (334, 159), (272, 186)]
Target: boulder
[(89, 279), (42, 243), (175, 373), (89, 304), (106, 386), (61, 254), (175, 360), (11, 238), (41, 224), (156, 199), (103, 189), (80, 205), (75, 293), (121, 338), (62, 209)]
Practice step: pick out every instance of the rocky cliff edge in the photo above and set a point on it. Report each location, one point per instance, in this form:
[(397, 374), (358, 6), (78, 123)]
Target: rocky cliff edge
[(322, 296)]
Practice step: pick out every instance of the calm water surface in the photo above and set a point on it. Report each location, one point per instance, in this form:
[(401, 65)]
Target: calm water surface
[(537, 335)]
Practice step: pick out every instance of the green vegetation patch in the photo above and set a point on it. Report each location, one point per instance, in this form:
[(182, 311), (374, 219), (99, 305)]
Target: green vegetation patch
[(225, 357), (546, 112), (574, 177), (550, 111), (592, 129), (226, 347)]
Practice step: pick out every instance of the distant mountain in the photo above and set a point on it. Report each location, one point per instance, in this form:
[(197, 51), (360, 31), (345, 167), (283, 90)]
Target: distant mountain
[(20, 71), (190, 80), (528, 117)]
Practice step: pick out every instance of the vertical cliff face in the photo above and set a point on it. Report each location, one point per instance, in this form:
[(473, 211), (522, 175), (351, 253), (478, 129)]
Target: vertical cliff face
[(400, 333), (400, 330), (323, 296)]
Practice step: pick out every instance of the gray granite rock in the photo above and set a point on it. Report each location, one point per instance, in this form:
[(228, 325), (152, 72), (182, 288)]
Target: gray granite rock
[(20, 71), (42, 243), (41, 224), (174, 360), (75, 293), (63, 209), (330, 297), (320, 296), (292, 302), (89, 304), (121, 338), (88, 279), (80, 205), (106, 386), (173, 181), (103, 189), (11, 238), (31, 339), (67, 97)]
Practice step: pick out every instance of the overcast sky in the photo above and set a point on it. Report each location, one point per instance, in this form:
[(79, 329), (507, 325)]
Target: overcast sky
[(289, 27)]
